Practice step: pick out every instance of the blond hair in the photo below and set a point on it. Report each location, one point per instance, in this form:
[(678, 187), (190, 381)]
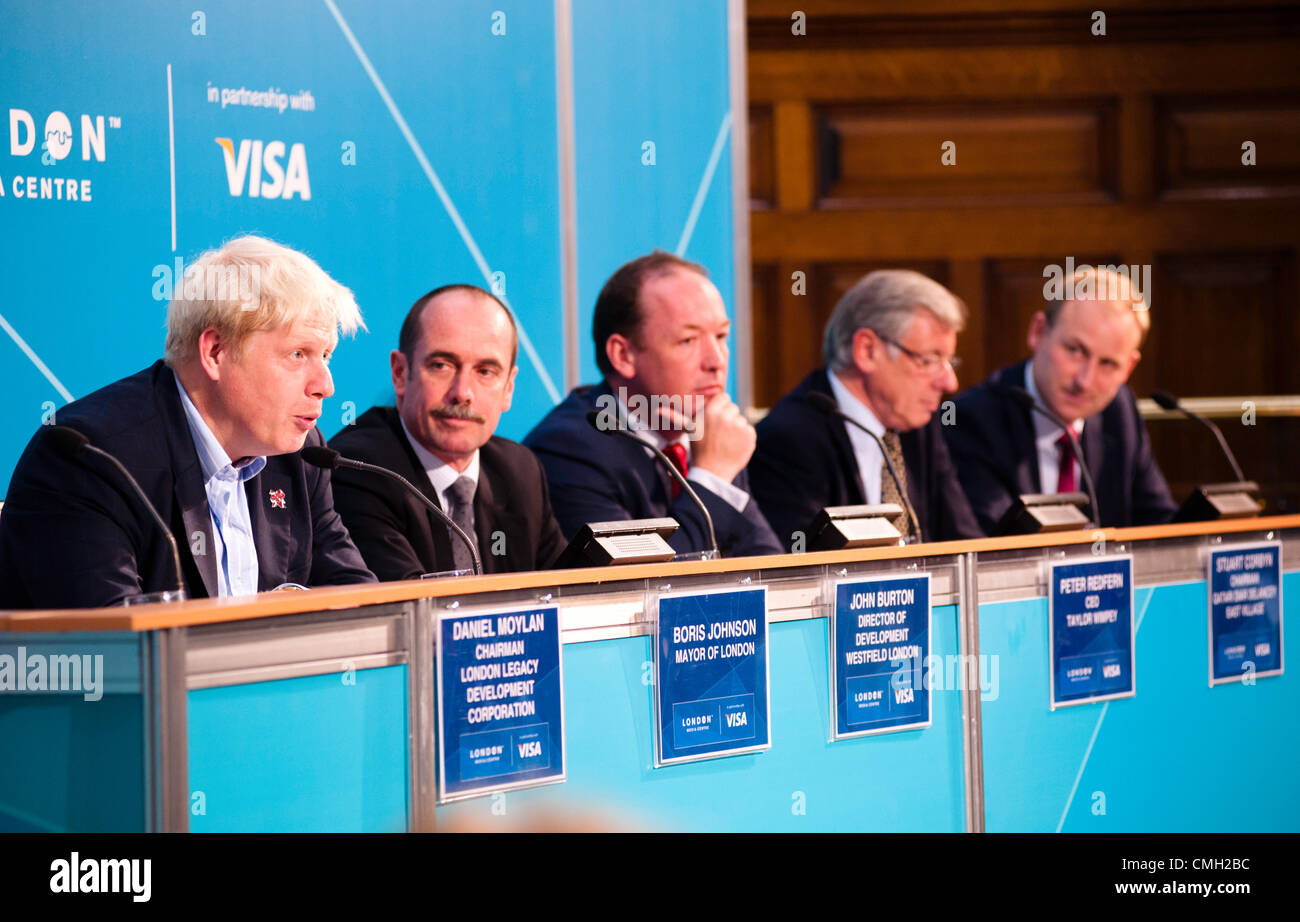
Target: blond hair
[(250, 284), (1105, 283)]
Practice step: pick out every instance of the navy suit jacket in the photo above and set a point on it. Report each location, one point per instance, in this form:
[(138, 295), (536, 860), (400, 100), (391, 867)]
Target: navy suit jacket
[(993, 446), (401, 539), (597, 477), (805, 462), (70, 537)]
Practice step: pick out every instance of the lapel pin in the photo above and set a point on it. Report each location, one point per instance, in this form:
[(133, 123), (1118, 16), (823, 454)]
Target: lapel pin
[(277, 499)]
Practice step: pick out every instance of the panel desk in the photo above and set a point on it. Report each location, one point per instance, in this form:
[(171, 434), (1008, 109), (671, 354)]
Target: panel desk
[(315, 711)]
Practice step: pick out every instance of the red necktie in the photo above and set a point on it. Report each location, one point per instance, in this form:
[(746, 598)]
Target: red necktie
[(676, 453), (1065, 482)]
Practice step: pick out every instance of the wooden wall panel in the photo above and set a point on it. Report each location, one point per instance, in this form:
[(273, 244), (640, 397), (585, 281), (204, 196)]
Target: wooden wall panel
[(1122, 148), (762, 158), (1000, 151), (1201, 147)]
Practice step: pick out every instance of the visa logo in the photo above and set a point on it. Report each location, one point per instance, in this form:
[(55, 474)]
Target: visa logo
[(904, 695), (530, 750), (1262, 649), (245, 169), (1110, 671), (737, 719)]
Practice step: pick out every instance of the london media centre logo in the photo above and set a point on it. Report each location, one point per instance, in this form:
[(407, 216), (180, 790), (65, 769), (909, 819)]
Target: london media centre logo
[(57, 138), (260, 170)]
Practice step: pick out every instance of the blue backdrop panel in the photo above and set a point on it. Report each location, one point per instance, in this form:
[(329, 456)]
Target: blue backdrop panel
[(264, 760), (1178, 757), (906, 781), (85, 291), (71, 765), (656, 73)]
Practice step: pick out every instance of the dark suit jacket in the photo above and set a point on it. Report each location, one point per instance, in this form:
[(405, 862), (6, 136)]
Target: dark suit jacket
[(401, 539), (70, 537), (596, 477), (805, 462), (993, 446)]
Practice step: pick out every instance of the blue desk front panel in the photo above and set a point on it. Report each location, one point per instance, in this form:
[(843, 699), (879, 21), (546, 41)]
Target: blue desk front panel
[(311, 754), (1178, 757), (909, 781), (71, 765), (72, 761)]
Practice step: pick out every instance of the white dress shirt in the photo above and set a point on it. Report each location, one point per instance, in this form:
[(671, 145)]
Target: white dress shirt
[(1046, 433), (865, 450), (735, 497), (441, 474), (223, 482)]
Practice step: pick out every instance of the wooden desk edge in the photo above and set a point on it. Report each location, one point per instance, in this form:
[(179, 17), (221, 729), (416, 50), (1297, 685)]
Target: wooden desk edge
[(333, 598)]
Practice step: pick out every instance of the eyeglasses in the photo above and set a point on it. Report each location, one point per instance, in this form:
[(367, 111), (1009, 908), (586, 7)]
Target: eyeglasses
[(927, 363)]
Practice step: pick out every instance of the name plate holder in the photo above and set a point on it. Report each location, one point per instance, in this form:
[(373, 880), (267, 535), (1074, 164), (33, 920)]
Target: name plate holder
[(711, 678), (500, 698), (1034, 513)]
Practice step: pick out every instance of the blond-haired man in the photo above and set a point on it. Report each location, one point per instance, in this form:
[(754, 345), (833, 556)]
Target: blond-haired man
[(211, 432), (1084, 347)]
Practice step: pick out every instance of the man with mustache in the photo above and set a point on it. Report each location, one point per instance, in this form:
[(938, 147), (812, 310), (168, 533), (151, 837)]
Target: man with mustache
[(212, 433), (453, 375), (660, 329), (889, 360), (1084, 348)]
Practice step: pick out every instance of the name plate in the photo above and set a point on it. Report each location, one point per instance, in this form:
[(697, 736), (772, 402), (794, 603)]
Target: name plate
[(711, 676), (1244, 584), (880, 644), (1091, 630), (500, 701)]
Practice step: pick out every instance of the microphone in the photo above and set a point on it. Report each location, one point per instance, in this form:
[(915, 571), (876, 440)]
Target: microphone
[(593, 420), (1168, 401), (1026, 400), (73, 444), (824, 403), (328, 458)]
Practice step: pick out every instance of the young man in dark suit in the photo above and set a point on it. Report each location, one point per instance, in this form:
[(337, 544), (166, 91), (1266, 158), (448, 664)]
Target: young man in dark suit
[(1084, 348), (889, 359), (212, 434), (453, 375), (660, 329)]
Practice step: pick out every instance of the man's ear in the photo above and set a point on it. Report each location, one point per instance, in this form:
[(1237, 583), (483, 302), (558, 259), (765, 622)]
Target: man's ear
[(1037, 331), (868, 350), (397, 365), (214, 354), (1132, 363), (510, 388), (622, 355)]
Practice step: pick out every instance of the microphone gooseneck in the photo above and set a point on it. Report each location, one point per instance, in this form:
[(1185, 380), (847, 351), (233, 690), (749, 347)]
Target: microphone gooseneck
[(328, 458), (74, 445), (1167, 401), (824, 403), (593, 420), (1026, 400)]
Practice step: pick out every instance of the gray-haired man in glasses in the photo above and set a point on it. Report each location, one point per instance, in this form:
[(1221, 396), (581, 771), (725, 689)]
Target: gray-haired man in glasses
[(889, 360)]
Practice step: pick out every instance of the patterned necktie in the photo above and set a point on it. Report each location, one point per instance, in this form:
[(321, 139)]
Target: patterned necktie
[(889, 492), (460, 496), (676, 453), (1065, 482)]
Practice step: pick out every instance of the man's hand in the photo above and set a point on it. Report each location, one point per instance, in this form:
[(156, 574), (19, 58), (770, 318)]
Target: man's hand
[(724, 439)]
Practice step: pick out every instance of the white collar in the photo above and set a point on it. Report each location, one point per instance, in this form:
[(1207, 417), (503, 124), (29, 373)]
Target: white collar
[(854, 408), (441, 474), (1044, 429)]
